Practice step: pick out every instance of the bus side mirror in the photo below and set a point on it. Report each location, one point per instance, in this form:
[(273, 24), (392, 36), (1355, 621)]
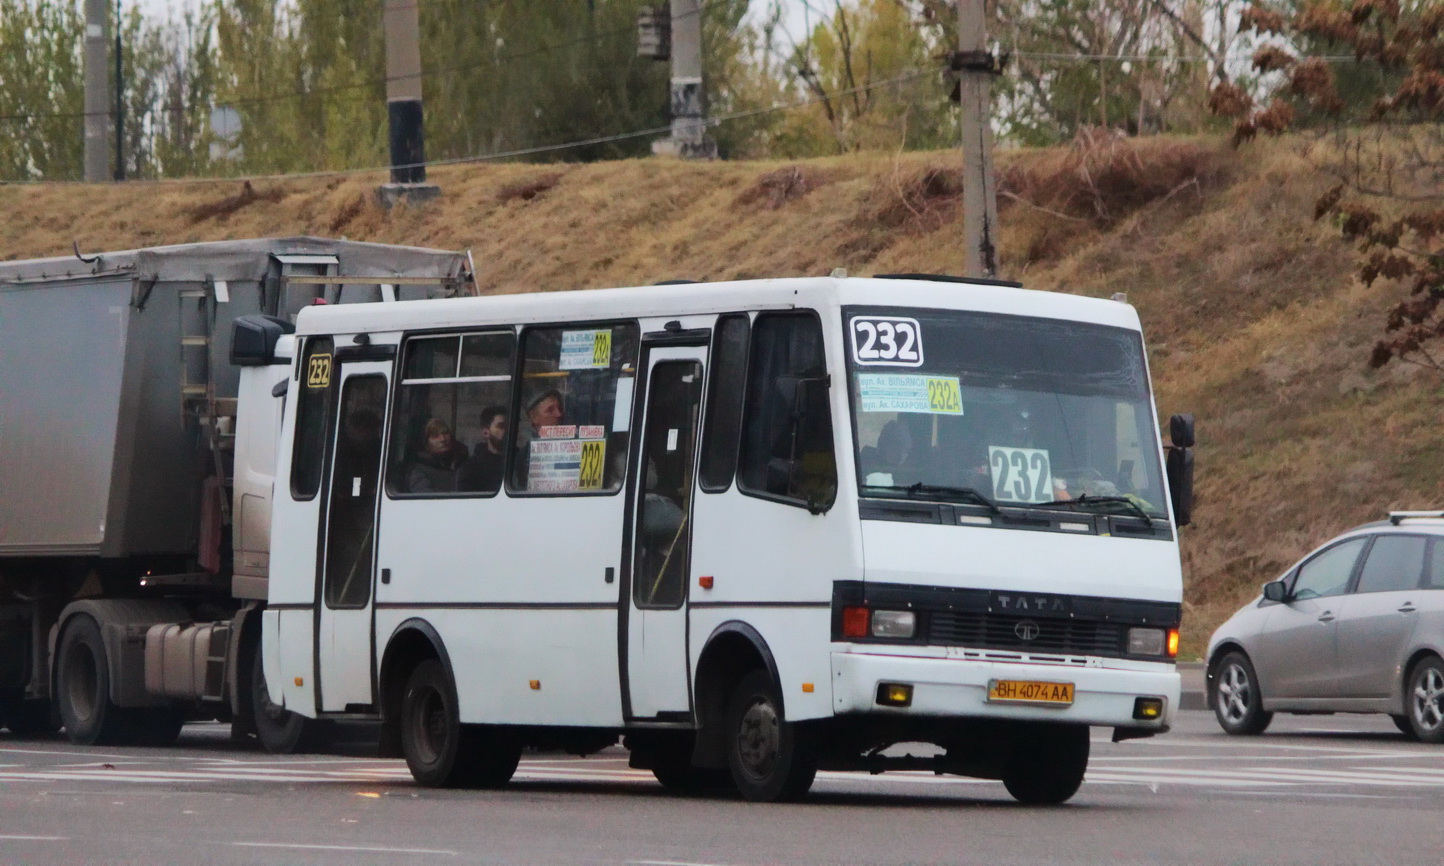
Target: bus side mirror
[(1276, 590), (1178, 464), (1180, 431)]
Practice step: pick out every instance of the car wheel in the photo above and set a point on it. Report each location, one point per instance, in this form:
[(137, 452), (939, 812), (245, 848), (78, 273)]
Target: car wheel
[(764, 752), (1046, 767), (1237, 701), (1425, 696)]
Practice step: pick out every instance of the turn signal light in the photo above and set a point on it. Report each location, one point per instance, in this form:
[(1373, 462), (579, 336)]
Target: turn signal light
[(854, 622), (1173, 643)]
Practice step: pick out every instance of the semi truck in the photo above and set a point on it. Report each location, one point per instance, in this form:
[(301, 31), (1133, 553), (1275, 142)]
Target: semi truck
[(136, 470)]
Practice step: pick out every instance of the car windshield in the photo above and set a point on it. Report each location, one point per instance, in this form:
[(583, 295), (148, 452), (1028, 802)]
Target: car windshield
[(1021, 410)]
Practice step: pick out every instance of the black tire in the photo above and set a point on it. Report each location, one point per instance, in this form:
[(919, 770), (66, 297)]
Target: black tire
[(280, 731), (1045, 766), (1424, 699), (28, 718), (83, 688), (1236, 698), (767, 757), (1403, 724), (439, 750)]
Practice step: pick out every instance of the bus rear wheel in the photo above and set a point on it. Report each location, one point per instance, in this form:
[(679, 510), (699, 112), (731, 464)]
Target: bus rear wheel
[(768, 760), (1045, 766), (440, 751)]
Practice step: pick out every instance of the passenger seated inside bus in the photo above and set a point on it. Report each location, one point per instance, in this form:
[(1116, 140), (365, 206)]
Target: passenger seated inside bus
[(433, 465), (546, 410), (483, 472)]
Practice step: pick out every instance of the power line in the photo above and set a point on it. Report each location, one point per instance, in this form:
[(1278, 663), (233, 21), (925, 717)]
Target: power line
[(527, 151)]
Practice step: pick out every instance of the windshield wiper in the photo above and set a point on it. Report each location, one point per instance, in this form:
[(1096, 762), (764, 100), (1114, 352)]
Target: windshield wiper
[(918, 490), (1085, 499)]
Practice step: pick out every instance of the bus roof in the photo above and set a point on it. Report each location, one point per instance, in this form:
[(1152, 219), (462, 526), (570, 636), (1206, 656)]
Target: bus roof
[(682, 299)]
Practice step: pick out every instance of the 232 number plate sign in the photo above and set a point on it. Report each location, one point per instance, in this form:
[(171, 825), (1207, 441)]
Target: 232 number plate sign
[(887, 341), (1020, 474)]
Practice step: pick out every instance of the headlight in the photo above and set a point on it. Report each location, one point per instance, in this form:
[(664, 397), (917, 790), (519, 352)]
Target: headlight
[(1146, 641), (894, 623)]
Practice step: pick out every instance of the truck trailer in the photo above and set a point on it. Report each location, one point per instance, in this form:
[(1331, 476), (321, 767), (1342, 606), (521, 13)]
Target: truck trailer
[(136, 470)]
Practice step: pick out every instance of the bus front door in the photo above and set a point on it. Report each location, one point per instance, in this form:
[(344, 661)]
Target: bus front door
[(658, 685), (347, 568)]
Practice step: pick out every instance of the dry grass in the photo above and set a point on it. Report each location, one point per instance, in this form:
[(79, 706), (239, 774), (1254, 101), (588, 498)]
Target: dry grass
[(1254, 320)]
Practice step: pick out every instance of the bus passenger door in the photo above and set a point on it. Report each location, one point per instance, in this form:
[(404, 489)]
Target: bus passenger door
[(658, 684), (347, 568)]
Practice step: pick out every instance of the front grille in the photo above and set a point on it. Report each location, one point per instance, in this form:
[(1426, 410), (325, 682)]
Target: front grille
[(998, 632)]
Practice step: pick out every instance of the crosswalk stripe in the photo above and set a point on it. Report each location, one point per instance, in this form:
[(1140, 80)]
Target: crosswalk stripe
[(552, 771)]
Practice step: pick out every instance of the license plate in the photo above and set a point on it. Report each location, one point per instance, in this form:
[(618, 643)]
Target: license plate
[(1030, 692)]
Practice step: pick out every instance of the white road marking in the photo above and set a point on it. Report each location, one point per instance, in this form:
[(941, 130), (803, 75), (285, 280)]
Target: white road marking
[(66, 754), (6, 837), (668, 863), (355, 848)]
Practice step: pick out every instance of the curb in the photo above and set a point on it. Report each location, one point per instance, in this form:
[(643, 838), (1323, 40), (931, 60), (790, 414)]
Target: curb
[(1194, 696)]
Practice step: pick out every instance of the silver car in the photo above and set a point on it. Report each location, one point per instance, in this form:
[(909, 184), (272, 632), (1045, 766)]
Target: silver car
[(1357, 626)]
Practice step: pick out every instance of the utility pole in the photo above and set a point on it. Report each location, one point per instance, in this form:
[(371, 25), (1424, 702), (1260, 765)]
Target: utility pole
[(689, 138), (96, 92), (401, 22), (119, 101), (976, 67)]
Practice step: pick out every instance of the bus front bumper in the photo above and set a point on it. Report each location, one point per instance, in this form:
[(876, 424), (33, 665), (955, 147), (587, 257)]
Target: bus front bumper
[(943, 686)]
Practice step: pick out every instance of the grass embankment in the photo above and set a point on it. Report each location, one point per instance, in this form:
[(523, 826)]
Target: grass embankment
[(1254, 319)]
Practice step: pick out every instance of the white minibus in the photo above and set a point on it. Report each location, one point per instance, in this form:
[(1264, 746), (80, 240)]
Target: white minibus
[(751, 529)]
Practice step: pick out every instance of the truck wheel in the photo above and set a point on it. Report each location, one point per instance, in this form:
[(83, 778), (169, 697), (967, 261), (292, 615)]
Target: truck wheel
[(83, 688), (28, 718), (280, 731), (767, 761), (1046, 768)]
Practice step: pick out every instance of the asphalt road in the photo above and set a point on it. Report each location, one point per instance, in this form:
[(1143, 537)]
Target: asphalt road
[(1315, 789)]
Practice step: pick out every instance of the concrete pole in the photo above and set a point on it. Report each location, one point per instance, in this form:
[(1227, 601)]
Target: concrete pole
[(97, 90), (689, 117), (980, 198), (402, 25)]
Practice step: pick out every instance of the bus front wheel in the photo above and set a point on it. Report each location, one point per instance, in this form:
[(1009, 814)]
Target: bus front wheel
[(768, 760), (440, 751), (280, 731), (1045, 767)]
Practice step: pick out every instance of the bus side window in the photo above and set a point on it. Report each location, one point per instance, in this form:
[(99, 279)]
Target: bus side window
[(787, 448), (313, 413), (448, 432), (574, 408), (724, 403)]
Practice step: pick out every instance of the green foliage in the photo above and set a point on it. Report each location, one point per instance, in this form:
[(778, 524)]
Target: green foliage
[(41, 93)]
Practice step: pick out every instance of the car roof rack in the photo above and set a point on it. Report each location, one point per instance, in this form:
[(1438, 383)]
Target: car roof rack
[(948, 278), (1397, 517)]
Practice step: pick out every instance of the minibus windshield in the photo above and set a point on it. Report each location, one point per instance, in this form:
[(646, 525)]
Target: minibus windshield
[(1024, 411)]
